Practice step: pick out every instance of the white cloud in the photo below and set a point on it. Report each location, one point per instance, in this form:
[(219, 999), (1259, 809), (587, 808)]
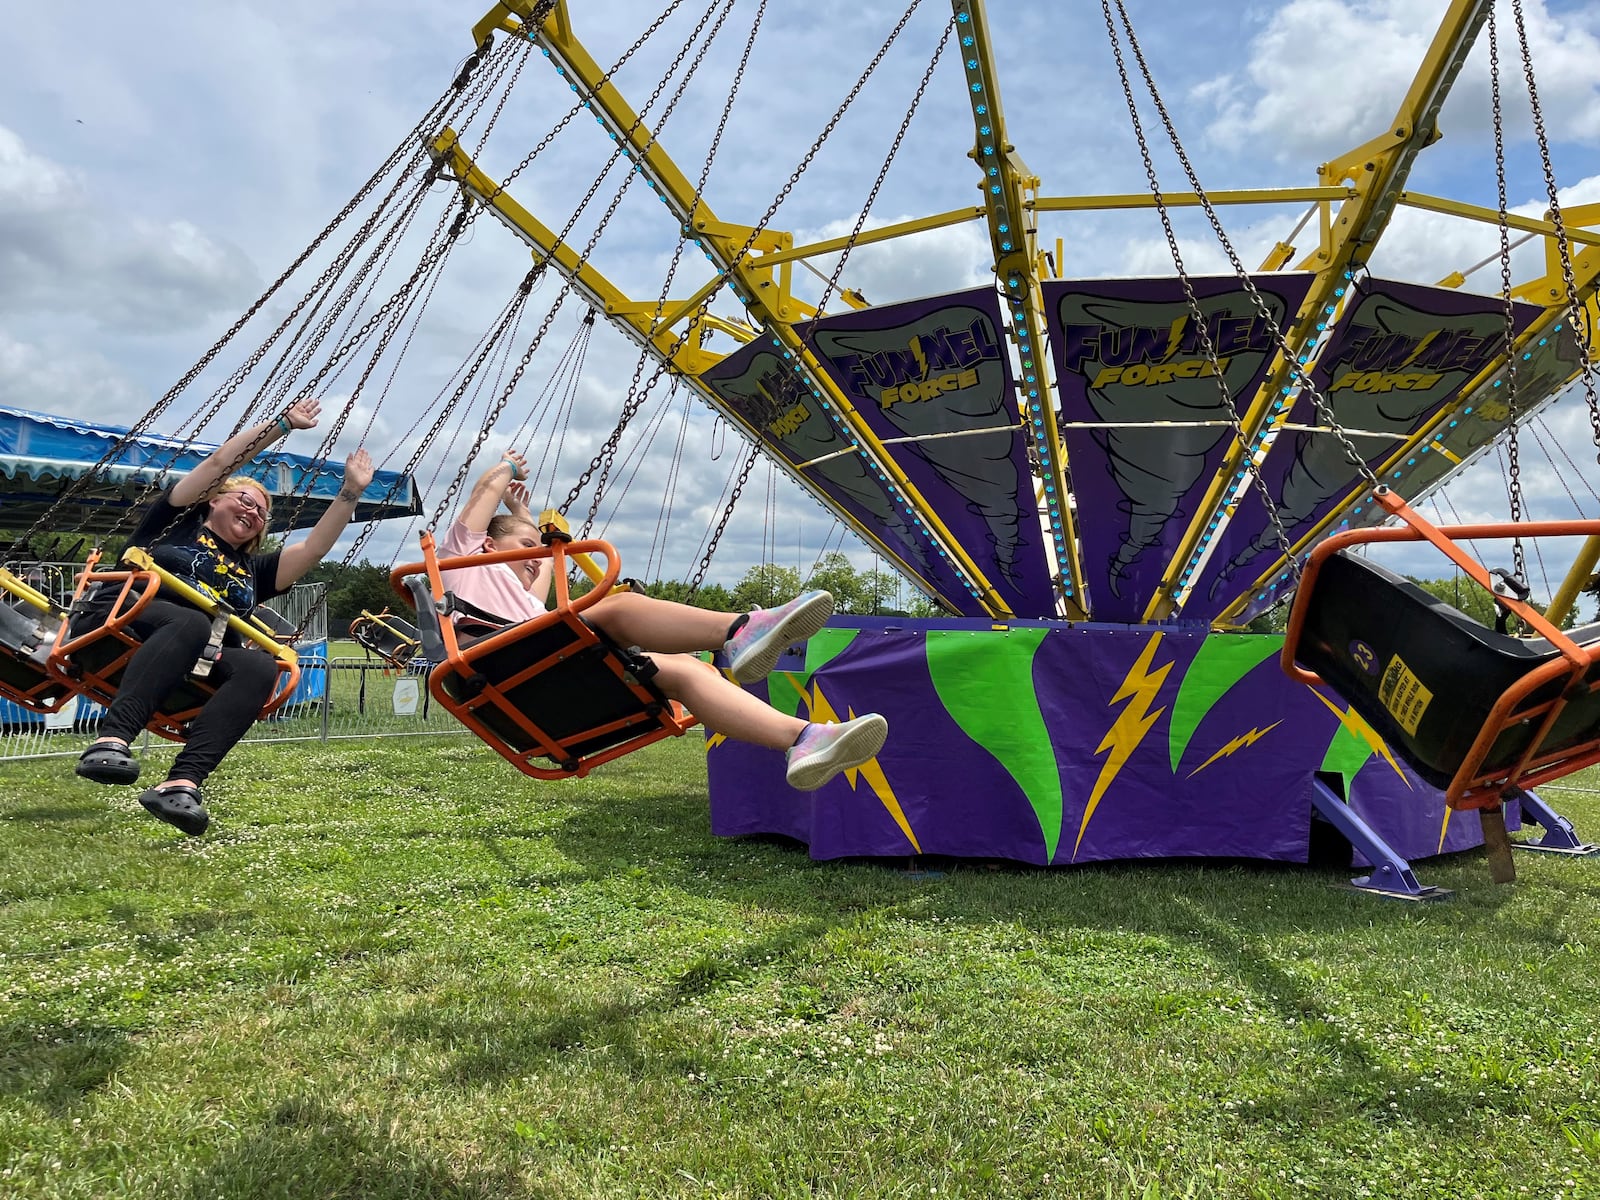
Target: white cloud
[(65, 253), (1326, 75), (67, 380)]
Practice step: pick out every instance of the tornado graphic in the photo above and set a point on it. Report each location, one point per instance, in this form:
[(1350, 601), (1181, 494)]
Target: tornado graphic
[(1384, 338)]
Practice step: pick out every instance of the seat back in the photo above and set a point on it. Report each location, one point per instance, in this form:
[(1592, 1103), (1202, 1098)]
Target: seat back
[(1424, 675), (554, 692), (552, 696), (29, 626), (99, 641), (391, 638)]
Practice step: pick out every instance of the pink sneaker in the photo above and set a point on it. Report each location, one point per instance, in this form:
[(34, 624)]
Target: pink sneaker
[(822, 751), (768, 632)]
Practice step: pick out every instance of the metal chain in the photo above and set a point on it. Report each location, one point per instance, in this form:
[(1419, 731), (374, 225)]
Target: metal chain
[(672, 268), (1509, 323), (711, 547), (1575, 314), (506, 317), (1202, 324), (560, 239), (783, 193), (143, 424), (635, 398), (883, 171), (1291, 360)]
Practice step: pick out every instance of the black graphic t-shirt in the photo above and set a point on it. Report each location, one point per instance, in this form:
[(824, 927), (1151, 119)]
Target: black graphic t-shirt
[(178, 540)]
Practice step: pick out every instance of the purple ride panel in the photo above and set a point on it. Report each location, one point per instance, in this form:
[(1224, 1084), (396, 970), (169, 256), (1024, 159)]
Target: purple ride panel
[(1400, 354), (1128, 355), (1241, 786), (758, 383), (934, 370)]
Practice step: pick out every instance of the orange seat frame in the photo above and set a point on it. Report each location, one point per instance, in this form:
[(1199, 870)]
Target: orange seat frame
[(473, 681), (1572, 670), (33, 625), (381, 633), (92, 663)]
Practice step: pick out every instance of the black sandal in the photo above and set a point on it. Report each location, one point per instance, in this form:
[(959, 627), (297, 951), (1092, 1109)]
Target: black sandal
[(107, 762), (178, 805)]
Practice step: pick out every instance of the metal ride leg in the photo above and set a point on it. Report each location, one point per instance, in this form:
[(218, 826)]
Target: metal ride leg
[(1559, 835), (1391, 875)]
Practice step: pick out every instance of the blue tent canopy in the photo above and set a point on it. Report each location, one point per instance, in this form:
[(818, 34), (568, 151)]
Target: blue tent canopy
[(42, 454)]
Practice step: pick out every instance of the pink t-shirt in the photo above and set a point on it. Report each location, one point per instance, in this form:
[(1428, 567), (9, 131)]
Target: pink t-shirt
[(493, 587)]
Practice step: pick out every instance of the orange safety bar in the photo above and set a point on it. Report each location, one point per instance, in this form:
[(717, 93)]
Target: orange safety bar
[(1472, 787), (671, 720), (142, 582)]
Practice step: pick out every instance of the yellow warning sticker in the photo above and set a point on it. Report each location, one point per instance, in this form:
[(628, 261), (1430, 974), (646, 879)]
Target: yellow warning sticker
[(1403, 695)]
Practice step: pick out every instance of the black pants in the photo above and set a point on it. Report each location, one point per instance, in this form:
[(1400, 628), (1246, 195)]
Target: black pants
[(173, 636)]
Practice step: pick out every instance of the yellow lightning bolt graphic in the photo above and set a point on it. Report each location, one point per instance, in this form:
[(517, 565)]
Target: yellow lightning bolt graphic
[(1175, 337), (1139, 688), (1366, 733), (1238, 743), (870, 772), (1421, 346), (922, 359), (1352, 722)]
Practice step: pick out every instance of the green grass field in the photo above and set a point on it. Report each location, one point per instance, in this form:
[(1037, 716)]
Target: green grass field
[(399, 969)]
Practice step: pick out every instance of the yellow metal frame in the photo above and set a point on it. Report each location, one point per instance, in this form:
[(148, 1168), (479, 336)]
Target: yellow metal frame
[(1549, 291), (1352, 203), (739, 252), (1375, 172), (248, 628)]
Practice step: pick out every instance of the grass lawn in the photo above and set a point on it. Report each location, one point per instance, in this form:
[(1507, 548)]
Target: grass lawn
[(399, 969)]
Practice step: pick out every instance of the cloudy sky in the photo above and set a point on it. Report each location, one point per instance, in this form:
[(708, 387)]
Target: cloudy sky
[(162, 164)]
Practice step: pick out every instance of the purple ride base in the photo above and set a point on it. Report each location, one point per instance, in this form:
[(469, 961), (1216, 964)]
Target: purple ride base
[(1060, 744)]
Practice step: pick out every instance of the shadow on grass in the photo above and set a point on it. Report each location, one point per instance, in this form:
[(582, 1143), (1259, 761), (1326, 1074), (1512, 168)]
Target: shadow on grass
[(58, 1065), (307, 1149), (58, 812)]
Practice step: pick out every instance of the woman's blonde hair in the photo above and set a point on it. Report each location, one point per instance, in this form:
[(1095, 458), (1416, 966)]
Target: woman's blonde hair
[(235, 483)]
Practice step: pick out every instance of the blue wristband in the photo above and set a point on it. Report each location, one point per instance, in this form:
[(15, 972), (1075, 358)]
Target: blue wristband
[(517, 472), (283, 424)]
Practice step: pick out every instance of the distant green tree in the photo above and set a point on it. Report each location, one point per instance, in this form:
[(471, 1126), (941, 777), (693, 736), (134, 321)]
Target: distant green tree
[(352, 589), (764, 586), (878, 589), (1274, 620), (834, 574), (1461, 593), (715, 597)]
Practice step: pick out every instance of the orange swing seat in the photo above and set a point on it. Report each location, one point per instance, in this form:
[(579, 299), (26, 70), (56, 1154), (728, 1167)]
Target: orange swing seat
[(1478, 713), (552, 696), (91, 662), (392, 638), (30, 624)]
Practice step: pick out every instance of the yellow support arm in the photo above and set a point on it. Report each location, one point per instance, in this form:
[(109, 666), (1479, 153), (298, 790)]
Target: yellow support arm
[(1008, 188), (1377, 172), (738, 252), (246, 627)]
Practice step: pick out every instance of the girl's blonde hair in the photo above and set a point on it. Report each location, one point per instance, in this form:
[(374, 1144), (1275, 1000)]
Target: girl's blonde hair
[(235, 483), (504, 524)]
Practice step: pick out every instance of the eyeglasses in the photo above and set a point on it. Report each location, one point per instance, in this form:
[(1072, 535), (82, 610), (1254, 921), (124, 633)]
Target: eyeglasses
[(250, 504)]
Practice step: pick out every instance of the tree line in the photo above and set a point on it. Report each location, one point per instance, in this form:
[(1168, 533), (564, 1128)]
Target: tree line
[(365, 587)]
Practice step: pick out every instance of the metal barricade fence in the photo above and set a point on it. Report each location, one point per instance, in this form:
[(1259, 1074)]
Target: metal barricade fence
[(339, 695)]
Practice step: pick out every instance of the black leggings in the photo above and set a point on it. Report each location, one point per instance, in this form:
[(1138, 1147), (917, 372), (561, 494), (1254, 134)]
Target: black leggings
[(173, 636)]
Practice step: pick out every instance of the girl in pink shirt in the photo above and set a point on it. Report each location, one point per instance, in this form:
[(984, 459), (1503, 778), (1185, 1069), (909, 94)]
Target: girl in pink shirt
[(669, 634)]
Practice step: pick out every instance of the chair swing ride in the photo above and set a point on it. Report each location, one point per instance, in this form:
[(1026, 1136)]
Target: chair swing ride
[(1102, 482)]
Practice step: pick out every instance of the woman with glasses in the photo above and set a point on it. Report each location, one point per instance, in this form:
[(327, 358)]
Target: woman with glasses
[(208, 529)]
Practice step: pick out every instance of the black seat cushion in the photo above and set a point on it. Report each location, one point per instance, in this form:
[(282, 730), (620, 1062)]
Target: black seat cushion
[(1423, 674)]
